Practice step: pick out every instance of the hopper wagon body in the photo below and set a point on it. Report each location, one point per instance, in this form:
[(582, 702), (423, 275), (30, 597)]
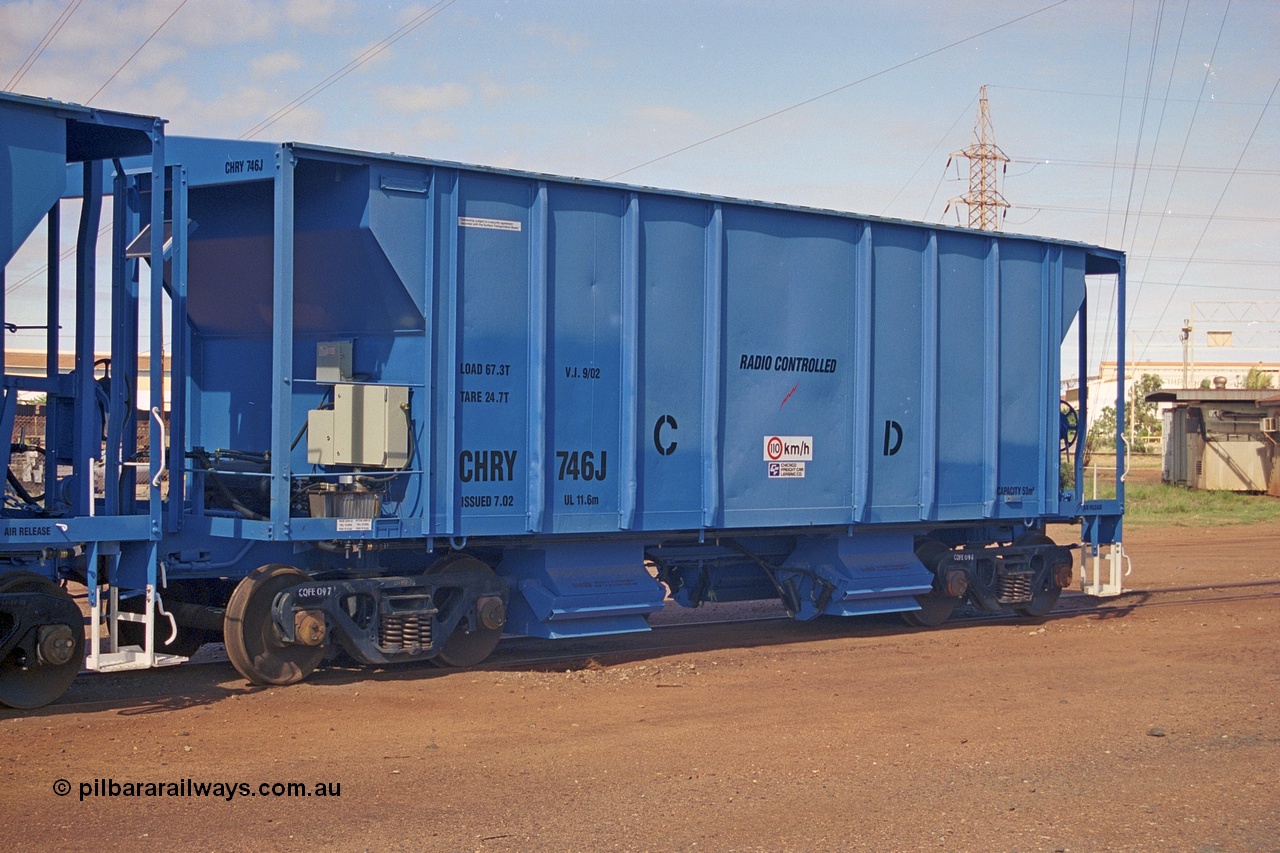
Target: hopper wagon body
[(412, 406)]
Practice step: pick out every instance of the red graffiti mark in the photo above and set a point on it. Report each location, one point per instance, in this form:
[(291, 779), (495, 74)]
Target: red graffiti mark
[(788, 397)]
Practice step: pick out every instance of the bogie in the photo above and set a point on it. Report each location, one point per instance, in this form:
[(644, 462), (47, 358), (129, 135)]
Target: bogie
[(41, 640)]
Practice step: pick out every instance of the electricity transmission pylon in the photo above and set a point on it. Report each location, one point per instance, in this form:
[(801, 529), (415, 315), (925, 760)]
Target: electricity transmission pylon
[(984, 201)]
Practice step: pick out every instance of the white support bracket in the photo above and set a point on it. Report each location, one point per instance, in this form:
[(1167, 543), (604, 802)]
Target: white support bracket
[(1109, 569), (117, 657)]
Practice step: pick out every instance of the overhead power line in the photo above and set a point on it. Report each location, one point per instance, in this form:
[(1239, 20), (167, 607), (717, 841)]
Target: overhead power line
[(45, 41), (1217, 102), (1229, 288), (1194, 260), (40, 270), (49, 36), (361, 59), (1151, 167), (1142, 126), (826, 94), (929, 159), (115, 73), (1204, 82), (1147, 213), (1244, 150), (1093, 343)]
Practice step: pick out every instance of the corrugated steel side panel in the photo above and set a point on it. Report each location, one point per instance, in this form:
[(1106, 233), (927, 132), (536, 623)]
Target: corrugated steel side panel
[(590, 358)]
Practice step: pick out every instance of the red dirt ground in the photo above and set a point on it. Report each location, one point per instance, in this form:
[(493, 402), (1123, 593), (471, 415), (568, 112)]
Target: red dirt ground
[(1147, 727)]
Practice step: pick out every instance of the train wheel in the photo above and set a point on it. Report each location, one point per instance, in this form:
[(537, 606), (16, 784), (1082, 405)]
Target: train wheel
[(252, 640), (935, 607), (934, 610), (26, 683), (1046, 595), (465, 647)]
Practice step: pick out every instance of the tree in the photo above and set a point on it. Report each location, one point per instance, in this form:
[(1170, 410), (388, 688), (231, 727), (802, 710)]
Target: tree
[(1144, 417), (1257, 379), (1103, 432)]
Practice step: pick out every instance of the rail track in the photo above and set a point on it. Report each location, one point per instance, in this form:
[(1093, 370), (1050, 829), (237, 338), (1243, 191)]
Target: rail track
[(155, 690), (1069, 606)]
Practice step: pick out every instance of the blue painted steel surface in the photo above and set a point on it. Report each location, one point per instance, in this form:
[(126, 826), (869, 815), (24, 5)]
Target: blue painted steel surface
[(575, 589), (871, 572), (74, 528), (596, 360), (760, 400), (52, 149), (581, 330), (34, 173)]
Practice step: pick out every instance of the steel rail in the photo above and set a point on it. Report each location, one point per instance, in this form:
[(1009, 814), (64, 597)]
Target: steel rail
[(669, 645)]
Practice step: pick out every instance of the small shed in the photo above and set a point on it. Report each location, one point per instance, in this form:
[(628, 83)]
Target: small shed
[(1217, 439), (1271, 433)]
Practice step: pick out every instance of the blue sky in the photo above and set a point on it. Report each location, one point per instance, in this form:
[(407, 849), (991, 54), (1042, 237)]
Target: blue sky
[(1080, 92)]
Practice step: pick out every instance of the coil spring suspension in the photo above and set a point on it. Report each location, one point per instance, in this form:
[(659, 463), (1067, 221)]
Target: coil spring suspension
[(405, 631), (1014, 589)]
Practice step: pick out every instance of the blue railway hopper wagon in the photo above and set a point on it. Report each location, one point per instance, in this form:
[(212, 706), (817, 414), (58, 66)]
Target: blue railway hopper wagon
[(415, 406), (65, 524)]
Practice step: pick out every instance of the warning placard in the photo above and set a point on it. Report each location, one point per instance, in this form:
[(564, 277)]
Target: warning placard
[(491, 224), (788, 448)]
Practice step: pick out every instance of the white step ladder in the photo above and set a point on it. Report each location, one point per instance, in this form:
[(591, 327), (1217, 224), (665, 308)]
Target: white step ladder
[(1110, 566), (118, 658)]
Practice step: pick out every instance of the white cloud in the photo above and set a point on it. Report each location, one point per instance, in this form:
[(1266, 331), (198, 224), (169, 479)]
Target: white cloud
[(235, 111), (420, 99), (432, 130), (314, 14), (408, 13), (276, 63), (223, 23), (100, 39), (21, 27), (229, 115), (305, 124), (422, 138), (661, 114), (494, 92), (556, 37)]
